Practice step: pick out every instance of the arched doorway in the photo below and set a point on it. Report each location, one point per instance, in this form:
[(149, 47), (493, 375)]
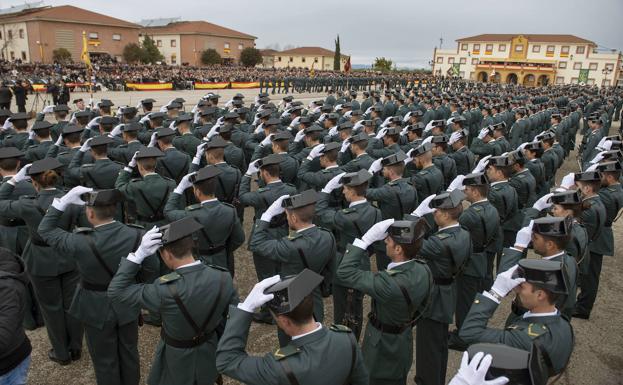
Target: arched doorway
[(483, 77), (529, 80), (511, 79), (543, 80)]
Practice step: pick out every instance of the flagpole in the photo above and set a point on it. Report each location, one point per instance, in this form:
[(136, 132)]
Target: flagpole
[(87, 61)]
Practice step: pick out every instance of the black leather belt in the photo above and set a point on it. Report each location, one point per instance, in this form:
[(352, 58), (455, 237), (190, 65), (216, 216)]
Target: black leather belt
[(443, 281), (12, 222), (184, 344), (385, 328), (93, 286)]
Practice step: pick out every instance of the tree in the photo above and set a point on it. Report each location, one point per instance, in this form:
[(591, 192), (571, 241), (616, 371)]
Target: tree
[(132, 53), (382, 64), (151, 54), (250, 57), (61, 55), (337, 56), (210, 57)]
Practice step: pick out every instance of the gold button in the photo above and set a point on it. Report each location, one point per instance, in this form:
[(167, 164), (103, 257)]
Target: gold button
[(477, 301)]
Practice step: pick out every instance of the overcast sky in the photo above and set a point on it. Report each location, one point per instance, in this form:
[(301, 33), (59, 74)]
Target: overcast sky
[(405, 31)]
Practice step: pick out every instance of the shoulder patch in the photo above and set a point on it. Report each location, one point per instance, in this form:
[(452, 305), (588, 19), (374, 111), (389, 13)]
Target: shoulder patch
[(477, 208), (196, 206), (521, 176), (82, 230), (262, 189), (88, 165), (293, 236), (536, 330), (136, 179), (220, 268), (442, 236), (33, 146), (135, 226), (340, 328), (28, 197), (286, 351), (169, 278), (349, 210), (63, 153)]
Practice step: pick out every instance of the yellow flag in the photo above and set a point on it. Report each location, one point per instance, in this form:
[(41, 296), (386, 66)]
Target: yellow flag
[(312, 72), (85, 51)]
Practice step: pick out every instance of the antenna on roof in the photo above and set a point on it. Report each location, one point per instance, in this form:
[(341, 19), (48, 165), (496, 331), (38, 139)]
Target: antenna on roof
[(440, 42)]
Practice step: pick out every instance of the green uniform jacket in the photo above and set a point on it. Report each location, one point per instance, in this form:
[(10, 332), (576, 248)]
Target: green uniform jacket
[(395, 198), (537, 169), (482, 221), (464, 160), (554, 333), (198, 287), (483, 149), (149, 195), (447, 166), (101, 174), (612, 198), (322, 357), (37, 151), (112, 241), (174, 164), (315, 243), (524, 183), (187, 143), (362, 162), (387, 356), (13, 230), (40, 259), (504, 197), (218, 239), (594, 217), (124, 153), (428, 181)]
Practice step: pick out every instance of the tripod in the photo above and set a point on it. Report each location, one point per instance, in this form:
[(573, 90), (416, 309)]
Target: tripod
[(34, 107)]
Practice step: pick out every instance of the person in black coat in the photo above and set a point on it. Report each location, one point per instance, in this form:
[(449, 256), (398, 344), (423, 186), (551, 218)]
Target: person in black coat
[(63, 93), (20, 90), (5, 96), (15, 346), (53, 89)]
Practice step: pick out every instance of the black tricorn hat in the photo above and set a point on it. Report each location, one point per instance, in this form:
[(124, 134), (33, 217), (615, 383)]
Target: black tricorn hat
[(290, 292), (177, 230)]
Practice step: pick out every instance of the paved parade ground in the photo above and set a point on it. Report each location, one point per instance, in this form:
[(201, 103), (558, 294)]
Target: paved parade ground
[(598, 353)]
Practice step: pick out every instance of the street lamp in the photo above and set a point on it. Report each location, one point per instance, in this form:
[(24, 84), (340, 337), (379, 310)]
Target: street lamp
[(40, 50), (606, 71)]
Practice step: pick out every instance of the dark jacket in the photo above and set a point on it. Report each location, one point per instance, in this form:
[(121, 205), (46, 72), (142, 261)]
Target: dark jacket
[(14, 345)]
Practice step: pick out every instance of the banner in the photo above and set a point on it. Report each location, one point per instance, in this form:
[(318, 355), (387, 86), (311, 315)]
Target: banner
[(245, 85), (149, 86), (211, 86), (456, 68), (583, 77)]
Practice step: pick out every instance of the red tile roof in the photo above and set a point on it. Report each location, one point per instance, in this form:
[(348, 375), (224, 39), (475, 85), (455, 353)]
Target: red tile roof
[(536, 38), (198, 27), (308, 51), (67, 13)]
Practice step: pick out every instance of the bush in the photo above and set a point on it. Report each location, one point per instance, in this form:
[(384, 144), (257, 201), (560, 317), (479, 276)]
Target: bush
[(132, 53), (210, 57), (250, 57)]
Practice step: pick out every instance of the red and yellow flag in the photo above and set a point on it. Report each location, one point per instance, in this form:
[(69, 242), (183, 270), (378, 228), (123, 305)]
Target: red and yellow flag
[(85, 50)]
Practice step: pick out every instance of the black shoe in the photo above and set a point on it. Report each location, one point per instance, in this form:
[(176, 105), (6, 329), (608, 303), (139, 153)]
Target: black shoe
[(75, 354), (577, 314), (263, 318), (52, 357)]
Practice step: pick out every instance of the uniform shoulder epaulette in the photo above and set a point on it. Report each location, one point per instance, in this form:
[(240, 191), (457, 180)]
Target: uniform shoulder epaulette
[(167, 178), (135, 226), (477, 208), (442, 236), (497, 187), (220, 268), (293, 236), (136, 179), (63, 153), (28, 197), (392, 183), (392, 272), (119, 163), (33, 146), (613, 189), (340, 328), (286, 351), (423, 172), (88, 165), (9, 136), (123, 146), (173, 276), (262, 189), (193, 207), (521, 176), (349, 210), (536, 330), (82, 230)]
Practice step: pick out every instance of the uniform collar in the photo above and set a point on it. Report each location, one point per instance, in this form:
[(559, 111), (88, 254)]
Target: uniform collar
[(393, 265), (449, 227), (209, 201), (309, 337), (189, 265), (530, 314), (318, 327), (359, 202), (554, 256), (305, 229), (498, 182)]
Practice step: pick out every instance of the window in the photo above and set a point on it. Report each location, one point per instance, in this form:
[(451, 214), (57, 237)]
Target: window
[(489, 47), (440, 60), (21, 35), (592, 66), (12, 55), (476, 47), (577, 66), (94, 35), (173, 43), (536, 48), (450, 60), (474, 61), (291, 59), (0, 35), (609, 66), (560, 80), (240, 46), (502, 48), (562, 64), (590, 82), (519, 48), (564, 50), (463, 60), (303, 59), (464, 47), (574, 80), (158, 43), (116, 36), (23, 55), (10, 34), (462, 74), (550, 50), (226, 45), (579, 49), (315, 60), (173, 58), (278, 58)]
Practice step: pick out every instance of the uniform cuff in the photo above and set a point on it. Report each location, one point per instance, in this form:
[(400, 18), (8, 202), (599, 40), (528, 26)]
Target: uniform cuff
[(492, 298), (360, 244)]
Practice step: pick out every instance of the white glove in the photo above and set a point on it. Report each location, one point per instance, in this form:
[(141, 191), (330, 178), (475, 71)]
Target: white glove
[(457, 183), (300, 134), (253, 168), (184, 184), (345, 145), (424, 207), (213, 131), (524, 236), (295, 121), (599, 157), (592, 167), (71, 198), (143, 119), (86, 146), (133, 160), (199, 153), (94, 122), (150, 243), (274, 209), (48, 109), (522, 146), (358, 125), (505, 282), (428, 139), (322, 117), (267, 140), (484, 132), (473, 373), (256, 297), (375, 166), (568, 181), (7, 125), (220, 120), (409, 156), (602, 141), (259, 128), (59, 141), (338, 107), (116, 131), (31, 134), (386, 121), (315, 152), (403, 132), (333, 184), (381, 133), (543, 202), (454, 137), (348, 114), (333, 131), (377, 232), (406, 117), (429, 126), (21, 175), (368, 110), (153, 140), (449, 121), (482, 164)]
